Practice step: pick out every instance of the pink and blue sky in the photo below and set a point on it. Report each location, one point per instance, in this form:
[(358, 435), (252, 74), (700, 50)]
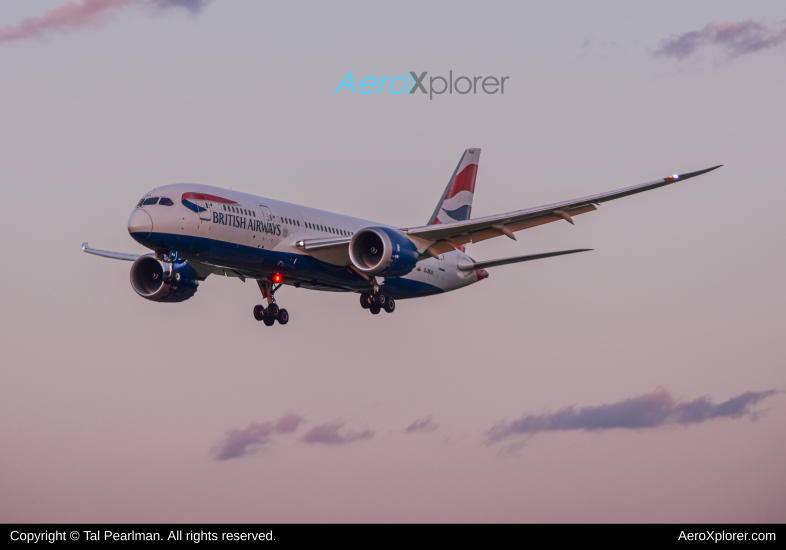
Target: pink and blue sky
[(640, 382)]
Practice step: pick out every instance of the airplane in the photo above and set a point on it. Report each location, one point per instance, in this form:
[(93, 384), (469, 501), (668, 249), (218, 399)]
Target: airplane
[(198, 230)]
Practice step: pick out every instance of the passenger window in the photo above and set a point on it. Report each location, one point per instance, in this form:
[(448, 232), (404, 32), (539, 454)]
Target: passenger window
[(165, 201), (151, 200)]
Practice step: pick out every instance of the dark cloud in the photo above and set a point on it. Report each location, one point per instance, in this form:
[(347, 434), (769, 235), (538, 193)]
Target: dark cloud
[(242, 442), (422, 425), (735, 39), (645, 411), (84, 14), (328, 434)]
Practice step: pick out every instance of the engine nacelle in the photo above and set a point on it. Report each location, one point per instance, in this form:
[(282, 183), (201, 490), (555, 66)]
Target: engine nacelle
[(382, 251), (148, 279)]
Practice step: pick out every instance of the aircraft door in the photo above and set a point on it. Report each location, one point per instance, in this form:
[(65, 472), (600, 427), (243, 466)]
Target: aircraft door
[(268, 222), (442, 262), (205, 208)]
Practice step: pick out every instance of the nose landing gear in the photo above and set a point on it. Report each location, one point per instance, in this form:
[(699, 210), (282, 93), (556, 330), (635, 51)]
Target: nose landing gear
[(170, 258), (272, 313)]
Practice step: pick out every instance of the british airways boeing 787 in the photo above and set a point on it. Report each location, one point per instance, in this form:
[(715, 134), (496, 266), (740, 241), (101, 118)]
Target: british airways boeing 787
[(198, 230)]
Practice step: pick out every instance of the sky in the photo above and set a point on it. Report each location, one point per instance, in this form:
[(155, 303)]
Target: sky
[(639, 382)]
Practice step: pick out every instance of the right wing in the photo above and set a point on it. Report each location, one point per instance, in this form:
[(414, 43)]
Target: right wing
[(202, 269), (113, 255)]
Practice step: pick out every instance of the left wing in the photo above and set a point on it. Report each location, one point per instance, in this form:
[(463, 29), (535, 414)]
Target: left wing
[(330, 250), (433, 240)]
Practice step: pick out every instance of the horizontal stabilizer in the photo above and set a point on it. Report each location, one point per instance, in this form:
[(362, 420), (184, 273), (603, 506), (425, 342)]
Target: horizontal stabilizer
[(517, 259)]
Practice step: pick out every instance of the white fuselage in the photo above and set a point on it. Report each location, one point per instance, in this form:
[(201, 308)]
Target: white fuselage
[(257, 236)]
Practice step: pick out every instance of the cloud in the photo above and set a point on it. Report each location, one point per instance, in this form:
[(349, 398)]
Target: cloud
[(242, 442), (288, 423), (422, 425), (328, 434), (735, 39), (645, 411), (87, 13), (194, 6)]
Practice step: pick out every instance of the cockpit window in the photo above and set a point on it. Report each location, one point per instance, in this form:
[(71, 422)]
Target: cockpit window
[(166, 201), (150, 200), (140, 203)]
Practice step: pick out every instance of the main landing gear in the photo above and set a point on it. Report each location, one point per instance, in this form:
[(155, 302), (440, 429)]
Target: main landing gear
[(272, 313), (377, 301)]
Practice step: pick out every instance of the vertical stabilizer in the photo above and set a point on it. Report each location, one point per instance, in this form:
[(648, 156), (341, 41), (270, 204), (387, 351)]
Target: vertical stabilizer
[(456, 202)]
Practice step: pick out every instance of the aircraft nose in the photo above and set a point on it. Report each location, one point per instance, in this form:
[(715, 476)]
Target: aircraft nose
[(140, 224)]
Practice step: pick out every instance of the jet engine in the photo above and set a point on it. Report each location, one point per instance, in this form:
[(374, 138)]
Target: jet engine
[(382, 251), (151, 279)]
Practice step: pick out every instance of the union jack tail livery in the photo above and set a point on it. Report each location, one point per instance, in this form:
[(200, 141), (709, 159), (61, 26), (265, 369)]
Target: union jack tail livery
[(456, 202)]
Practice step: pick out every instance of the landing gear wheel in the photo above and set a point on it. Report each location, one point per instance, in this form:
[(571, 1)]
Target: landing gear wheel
[(365, 300), (272, 311), (380, 299), (374, 310), (259, 313), (283, 316), (269, 321), (390, 305)]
